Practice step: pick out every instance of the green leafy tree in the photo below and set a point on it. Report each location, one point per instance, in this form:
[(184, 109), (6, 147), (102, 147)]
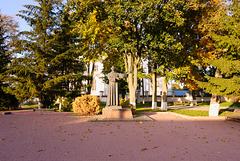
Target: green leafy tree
[(128, 20), (162, 45), (87, 17)]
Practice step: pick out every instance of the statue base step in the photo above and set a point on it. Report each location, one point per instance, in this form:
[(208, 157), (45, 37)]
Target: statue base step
[(124, 113), (113, 107)]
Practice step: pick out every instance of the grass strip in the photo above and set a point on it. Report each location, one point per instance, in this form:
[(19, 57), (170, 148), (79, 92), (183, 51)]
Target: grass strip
[(222, 104), (222, 112), (189, 112)]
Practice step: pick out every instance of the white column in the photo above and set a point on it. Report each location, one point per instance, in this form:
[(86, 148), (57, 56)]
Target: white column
[(164, 106), (214, 109), (60, 107)]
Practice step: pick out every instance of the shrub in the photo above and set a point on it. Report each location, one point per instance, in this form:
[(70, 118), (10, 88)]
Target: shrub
[(7, 101), (67, 105), (86, 105), (126, 104)]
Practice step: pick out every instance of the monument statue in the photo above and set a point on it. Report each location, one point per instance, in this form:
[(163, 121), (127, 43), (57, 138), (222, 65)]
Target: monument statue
[(112, 109), (113, 77)]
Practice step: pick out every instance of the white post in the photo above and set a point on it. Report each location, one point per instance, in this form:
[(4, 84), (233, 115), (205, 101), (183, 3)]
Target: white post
[(138, 96), (164, 106), (60, 107), (214, 109), (39, 105), (154, 105)]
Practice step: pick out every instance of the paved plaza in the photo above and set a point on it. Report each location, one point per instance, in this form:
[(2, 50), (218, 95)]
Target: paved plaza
[(48, 136)]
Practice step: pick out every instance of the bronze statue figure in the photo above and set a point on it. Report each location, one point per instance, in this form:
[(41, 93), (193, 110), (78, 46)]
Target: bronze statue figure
[(113, 77)]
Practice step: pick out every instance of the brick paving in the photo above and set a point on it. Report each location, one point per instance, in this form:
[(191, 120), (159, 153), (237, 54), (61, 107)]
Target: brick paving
[(29, 136)]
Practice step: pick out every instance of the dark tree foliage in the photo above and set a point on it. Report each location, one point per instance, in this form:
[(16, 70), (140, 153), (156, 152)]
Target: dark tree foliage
[(6, 100), (49, 67)]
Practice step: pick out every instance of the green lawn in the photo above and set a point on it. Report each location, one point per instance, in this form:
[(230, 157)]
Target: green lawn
[(222, 104), (222, 112), (230, 104), (145, 109), (147, 104), (189, 112), (31, 106)]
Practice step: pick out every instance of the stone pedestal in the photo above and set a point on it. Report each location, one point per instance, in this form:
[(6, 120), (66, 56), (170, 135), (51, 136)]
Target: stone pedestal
[(113, 107), (214, 109), (116, 113)]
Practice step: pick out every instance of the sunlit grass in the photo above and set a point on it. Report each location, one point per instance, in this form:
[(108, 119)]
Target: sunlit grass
[(222, 104), (189, 112), (225, 112), (31, 106), (230, 104), (222, 112), (145, 109)]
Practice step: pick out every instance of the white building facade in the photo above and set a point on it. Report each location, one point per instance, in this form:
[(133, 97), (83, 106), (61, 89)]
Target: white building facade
[(100, 88)]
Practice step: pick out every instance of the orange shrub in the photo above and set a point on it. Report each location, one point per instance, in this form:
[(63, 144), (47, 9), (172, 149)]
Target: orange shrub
[(86, 105)]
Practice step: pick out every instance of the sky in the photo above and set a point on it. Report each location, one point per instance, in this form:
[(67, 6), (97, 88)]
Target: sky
[(11, 7)]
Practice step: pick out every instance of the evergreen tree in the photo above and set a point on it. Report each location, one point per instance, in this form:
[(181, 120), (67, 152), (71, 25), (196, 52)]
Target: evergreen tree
[(4, 57), (66, 66), (6, 25), (48, 67)]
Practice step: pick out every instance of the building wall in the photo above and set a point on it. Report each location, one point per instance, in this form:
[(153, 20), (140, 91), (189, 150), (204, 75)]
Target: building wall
[(100, 87), (169, 99), (98, 80)]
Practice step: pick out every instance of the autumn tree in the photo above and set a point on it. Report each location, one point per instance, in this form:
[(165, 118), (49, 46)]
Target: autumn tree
[(87, 17), (223, 28), (196, 45)]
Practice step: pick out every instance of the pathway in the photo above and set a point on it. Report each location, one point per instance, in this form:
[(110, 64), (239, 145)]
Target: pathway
[(49, 136)]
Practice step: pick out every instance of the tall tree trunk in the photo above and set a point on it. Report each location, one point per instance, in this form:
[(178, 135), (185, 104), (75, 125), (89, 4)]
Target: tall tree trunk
[(40, 101), (194, 96), (154, 88), (132, 62), (215, 99), (164, 93), (143, 94)]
